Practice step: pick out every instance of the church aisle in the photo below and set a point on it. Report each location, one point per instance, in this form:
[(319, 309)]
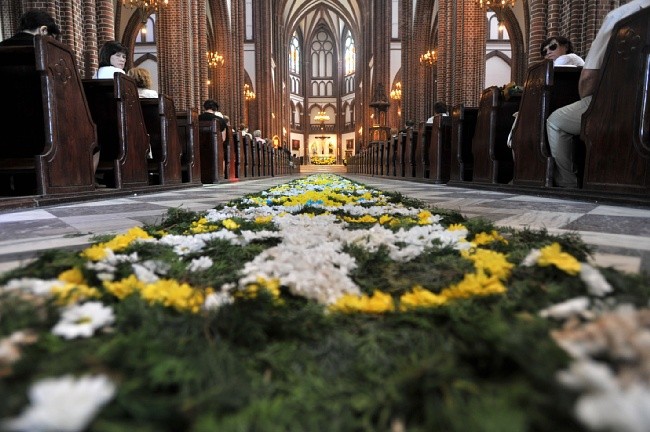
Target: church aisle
[(620, 235)]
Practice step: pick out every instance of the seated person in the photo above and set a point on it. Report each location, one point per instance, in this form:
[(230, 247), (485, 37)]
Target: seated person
[(112, 58), (32, 22), (211, 111), (142, 79), (438, 108), (560, 50), (564, 123)]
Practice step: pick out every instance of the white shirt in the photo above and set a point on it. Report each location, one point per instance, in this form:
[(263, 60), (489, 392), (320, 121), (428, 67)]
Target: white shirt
[(107, 72), (569, 60), (145, 93), (596, 54)]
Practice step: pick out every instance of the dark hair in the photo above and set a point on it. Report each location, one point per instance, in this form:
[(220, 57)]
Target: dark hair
[(33, 19), (561, 40), (410, 123), (440, 108), (211, 104), (108, 49)]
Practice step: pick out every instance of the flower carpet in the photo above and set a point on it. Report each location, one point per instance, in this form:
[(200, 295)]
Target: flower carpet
[(323, 305)]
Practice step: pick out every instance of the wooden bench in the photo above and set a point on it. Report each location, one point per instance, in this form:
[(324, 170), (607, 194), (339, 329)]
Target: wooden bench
[(246, 153), (545, 90), (188, 128), (212, 152), (160, 120), (123, 139), (492, 156), (436, 149), (616, 126), (48, 136), (463, 124)]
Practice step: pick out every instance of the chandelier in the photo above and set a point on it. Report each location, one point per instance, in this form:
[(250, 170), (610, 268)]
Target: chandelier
[(429, 58), (145, 4), (215, 59), (321, 117), (495, 4), (396, 93), (249, 94)]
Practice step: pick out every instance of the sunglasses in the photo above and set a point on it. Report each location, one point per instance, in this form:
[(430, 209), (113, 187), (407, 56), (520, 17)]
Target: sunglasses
[(551, 47)]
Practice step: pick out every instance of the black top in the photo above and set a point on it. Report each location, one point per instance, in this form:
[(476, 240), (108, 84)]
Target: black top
[(209, 116), (19, 39)]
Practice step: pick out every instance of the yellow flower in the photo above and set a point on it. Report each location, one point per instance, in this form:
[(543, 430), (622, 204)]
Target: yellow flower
[(71, 293), (553, 255), (384, 219), (419, 297), (202, 226), (262, 220), (474, 284), (171, 293), (116, 244), (424, 217), (270, 285), (362, 219), (230, 224), (484, 238), (377, 304), (456, 227), (73, 276), (495, 263), (125, 287)]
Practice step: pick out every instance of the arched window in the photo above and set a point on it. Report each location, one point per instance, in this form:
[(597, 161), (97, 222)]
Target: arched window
[(322, 55), (350, 54), (294, 55), (147, 32)]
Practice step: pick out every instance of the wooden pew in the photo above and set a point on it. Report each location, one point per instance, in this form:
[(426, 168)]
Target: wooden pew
[(188, 128), (48, 136), (165, 167), (246, 144), (436, 145), (492, 156), (123, 139), (545, 90), (616, 126), (463, 124), (212, 152)]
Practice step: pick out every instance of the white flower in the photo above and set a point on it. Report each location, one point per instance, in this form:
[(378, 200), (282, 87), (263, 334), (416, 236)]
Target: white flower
[(83, 320), (216, 300), (65, 404), (34, 286), (596, 283), (567, 309), (532, 258), (201, 263), (144, 273)]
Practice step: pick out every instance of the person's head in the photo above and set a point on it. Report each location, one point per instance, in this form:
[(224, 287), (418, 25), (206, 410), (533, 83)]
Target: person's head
[(243, 127), (141, 76), (112, 53), (554, 47), (440, 108), (211, 105), (227, 119), (410, 123), (257, 133), (38, 22)]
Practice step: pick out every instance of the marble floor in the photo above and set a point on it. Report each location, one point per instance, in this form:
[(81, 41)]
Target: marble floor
[(620, 234)]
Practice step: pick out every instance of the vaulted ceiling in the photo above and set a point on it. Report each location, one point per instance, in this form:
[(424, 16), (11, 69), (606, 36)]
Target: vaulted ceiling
[(293, 12)]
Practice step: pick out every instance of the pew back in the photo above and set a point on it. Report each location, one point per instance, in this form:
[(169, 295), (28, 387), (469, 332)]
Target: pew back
[(47, 129), (463, 124), (123, 139), (188, 127), (160, 119), (545, 90), (616, 126), (212, 153)]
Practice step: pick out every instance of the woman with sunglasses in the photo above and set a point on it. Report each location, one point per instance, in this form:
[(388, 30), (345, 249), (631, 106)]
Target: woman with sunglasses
[(560, 50)]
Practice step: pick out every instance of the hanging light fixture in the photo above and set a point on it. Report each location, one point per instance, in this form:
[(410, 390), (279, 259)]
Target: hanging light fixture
[(321, 117), (215, 59), (145, 4), (396, 92), (249, 94), (429, 58), (495, 4)]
